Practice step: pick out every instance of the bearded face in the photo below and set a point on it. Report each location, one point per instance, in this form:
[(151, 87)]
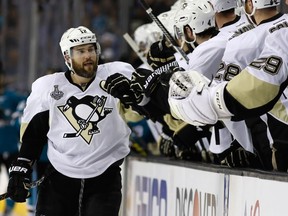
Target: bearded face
[(84, 60), (85, 69)]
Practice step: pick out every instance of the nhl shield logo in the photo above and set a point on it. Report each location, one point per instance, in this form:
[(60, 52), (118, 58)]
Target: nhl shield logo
[(56, 94)]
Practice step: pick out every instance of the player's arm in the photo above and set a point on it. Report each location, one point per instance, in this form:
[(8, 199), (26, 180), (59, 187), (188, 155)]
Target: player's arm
[(33, 135), (244, 96), (33, 140), (247, 96), (35, 121), (253, 92), (256, 89)]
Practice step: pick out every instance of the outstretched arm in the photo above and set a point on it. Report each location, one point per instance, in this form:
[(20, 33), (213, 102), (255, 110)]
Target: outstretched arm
[(254, 91)]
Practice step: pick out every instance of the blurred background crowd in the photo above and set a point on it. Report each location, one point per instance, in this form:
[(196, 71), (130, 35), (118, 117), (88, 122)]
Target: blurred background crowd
[(30, 31)]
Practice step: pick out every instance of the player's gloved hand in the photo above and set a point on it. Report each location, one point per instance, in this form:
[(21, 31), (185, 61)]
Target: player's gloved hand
[(161, 54), (182, 82), (118, 86), (237, 156), (186, 139), (145, 81), (19, 180), (192, 100), (166, 146)]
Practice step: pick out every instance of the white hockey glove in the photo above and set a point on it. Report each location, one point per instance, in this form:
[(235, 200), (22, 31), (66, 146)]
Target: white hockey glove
[(193, 101), (182, 82)]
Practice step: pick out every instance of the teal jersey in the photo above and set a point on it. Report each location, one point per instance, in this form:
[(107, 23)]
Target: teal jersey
[(9, 133)]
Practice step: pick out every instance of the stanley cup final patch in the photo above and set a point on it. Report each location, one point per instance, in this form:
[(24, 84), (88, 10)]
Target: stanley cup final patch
[(56, 94)]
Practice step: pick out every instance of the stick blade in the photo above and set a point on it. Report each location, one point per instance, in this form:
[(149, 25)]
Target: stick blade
[(69, 135), (3, 196)]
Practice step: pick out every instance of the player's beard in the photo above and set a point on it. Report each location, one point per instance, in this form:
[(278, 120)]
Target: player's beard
[(86, 69)]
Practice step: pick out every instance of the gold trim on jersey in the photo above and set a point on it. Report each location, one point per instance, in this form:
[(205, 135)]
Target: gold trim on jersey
[(174, 124), (22, 130), (247, 93), (128, 114), (279, 111)]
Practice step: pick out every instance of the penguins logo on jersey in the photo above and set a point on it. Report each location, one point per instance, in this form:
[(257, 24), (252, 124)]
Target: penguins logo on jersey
[(84, 114)]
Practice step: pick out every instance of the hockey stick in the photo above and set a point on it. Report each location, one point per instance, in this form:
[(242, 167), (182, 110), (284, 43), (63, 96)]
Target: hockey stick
[(99, 102), (135, 48), (31, 185), (148, 10)]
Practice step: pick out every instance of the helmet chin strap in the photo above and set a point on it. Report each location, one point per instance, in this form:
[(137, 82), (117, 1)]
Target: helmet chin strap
[(68, 61), (70, 67), (250, 15), (194, 38), (191, 42)]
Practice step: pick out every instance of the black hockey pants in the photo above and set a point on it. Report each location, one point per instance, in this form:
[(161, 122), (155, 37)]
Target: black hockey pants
[(60, 195)]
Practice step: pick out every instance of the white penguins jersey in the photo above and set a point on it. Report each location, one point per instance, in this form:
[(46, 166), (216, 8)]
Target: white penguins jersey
[(207, 56), (261, 84), (232, 29), (238, 27), (206, 59), (241, 50), (264, 79), (181, 61), (86, 131)]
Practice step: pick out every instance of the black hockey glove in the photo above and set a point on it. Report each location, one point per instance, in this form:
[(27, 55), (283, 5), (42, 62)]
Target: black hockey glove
[(186, 139), (19, 180), (237, 156), (118, 86), (145, 81), (161, 55), (166, 146)]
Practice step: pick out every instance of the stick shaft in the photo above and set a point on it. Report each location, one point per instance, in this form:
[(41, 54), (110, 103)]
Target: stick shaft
[(31, 185), (135, 48), (164, 30)]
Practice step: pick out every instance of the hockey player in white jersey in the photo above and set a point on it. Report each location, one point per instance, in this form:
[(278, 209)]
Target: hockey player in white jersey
[(241, 50), (196, 22), (208, 28), (208, 54), (144, 36), (265, 15), (227, 19), (226, 22), (255, 91), (87, 137), (229, 24), (161, 57)]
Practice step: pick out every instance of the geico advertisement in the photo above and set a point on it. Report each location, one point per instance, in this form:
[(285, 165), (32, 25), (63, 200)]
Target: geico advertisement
[(165, 190)]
